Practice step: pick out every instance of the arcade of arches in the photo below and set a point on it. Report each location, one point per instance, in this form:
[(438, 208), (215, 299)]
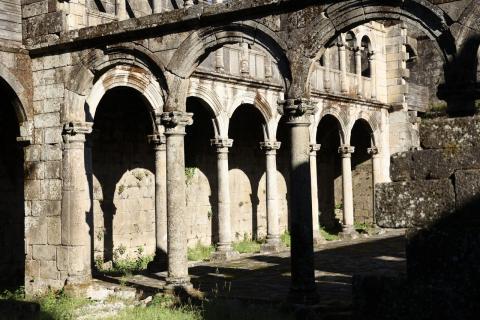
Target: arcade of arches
[(213, 134)]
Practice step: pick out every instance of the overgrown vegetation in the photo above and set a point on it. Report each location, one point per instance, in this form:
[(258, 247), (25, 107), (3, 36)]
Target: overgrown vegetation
[(328, 235), (124, 266), (200, 252), (247, 245), (285, 237), (189, 174), (364, 227)]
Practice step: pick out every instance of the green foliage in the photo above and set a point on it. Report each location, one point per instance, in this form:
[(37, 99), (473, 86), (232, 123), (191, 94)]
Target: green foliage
[(363, 227), (121, 188), (438, 107), (125, 266), (247, 245), (59, 306), (17, 294), (285, 237), (327, 235), (200, 252), (189, 174), (339, 206)]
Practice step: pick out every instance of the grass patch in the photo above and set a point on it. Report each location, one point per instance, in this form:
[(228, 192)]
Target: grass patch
[(200, 252), (59, 306), (286, 239), (363, 227), (124, 266), (327, 235), (247, 246)]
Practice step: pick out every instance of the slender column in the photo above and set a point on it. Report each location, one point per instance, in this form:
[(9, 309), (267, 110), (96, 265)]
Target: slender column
[(273, 219), (348, 219), (317, 238), (175, 123), (373, 74), (224, 246), (76, 243), (358, 70), (157, 6), (376, 169), (187, 3), (327, 83), (245, 57), (268, 68), (343, 67), (219, 60), (160, 261), (122, 10), (303, 287)]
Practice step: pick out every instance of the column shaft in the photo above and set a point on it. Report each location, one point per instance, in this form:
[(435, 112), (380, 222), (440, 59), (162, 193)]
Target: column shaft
[(327, 84), (157, 6), (343, 67), (373, 74), (76, 241), (317, 239), (175, 123), (348, 219), (303, 287), (376, 173), (122, 10), (358, 69)]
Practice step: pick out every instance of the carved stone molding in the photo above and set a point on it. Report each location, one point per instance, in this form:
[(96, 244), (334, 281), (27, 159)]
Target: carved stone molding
[(76, 131), (270, 146), (221, 143), (346, 151), (298, 111), (373, 151)]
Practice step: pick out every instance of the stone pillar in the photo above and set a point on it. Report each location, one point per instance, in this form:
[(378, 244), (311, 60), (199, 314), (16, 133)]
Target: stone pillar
[(160, 261), (303, 287), (75, 231), (317, 238), (273, 219), (373, 74), (187, 3), (219, 60), (122, 10), (343, 67), (245, 60), (268, 68), (224, 247), (348, 219), (376, 172), (157, 6), (175, 123), (358, 70), (327, 82)]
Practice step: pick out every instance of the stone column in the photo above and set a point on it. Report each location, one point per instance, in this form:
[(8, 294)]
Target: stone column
[(175, 123), (224, 247), (75, 231), (245, 60), (343, 67), (373, 74), (160, 260), (348, 219), (187, 3), (303, 287), (358, 70), (376, 172), (327, 83), (273, 219), (317, 238), (219, 60), (157, 6), (122, 10)]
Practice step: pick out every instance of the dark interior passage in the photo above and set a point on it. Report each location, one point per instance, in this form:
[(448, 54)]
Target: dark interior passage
[(123, 182), (12, 243)]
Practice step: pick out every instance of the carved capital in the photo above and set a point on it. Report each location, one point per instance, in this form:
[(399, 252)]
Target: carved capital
[(346, 151), (314, 148), (270, 146), (176, 121), (298, 111), (76, 131), (221, 143), (373, 151), (159, 141)]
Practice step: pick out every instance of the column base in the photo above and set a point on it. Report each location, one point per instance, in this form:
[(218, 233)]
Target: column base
[(318, 239), (222, 255), (304, 296), (175, 285), (348, 233), (273, 245)]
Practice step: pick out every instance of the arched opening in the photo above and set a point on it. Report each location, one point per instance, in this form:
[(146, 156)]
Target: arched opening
[(329, 174), (201, 175), (362, 172), (123, 177), (12, 207), (366, 47), (247, 166)]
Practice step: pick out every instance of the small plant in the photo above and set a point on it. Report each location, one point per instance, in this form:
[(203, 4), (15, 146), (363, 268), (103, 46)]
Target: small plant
[(363, 227), (200, 252), (209, 214), (139, 175), (285, 238), (100, 235), (121, 188), (327, 235), (189, 174), (339, 206), (119, 251), (247, 245)]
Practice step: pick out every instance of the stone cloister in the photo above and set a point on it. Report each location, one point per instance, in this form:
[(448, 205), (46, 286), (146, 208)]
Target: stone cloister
[(163, 125)]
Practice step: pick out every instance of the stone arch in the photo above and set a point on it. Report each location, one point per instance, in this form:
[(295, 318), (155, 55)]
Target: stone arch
[(20, 96), (146, 73), (337, 114), (345, 15), (370, 122), (201, 43), (213, 103)]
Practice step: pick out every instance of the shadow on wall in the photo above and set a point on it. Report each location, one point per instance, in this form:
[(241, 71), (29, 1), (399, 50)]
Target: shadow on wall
[(123, 183), (443, 274)]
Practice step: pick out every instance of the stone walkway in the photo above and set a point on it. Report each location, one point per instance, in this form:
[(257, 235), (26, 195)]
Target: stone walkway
[(266, 278)]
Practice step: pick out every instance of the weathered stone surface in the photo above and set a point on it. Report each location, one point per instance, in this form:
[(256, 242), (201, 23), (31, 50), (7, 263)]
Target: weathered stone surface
[(467, 187), (414, 203), (401, 166), (450, 133)]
